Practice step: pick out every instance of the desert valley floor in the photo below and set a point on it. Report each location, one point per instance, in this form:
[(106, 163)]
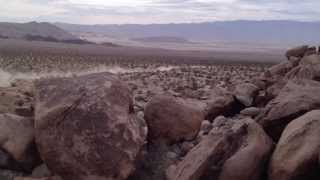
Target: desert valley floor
[(92, 112)]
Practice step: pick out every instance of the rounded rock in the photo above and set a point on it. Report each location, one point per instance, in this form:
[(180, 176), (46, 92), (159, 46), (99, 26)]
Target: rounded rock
[(171, 120), (86, 127)]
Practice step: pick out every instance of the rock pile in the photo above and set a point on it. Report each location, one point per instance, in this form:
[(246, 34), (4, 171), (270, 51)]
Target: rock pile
[(89, 128)]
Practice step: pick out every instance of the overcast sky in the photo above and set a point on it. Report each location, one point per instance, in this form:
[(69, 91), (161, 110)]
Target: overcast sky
[(156, 11)]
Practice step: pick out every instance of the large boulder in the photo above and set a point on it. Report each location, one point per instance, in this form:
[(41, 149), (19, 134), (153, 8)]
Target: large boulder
[(298, 52), (279, 70), (309, 68), (245, 93), (221, 102), (86, 128), (204, 158), (16, 135), (296, 98), (296, 155), (273, 90), (250, 160), (233, 151), (171, 120)]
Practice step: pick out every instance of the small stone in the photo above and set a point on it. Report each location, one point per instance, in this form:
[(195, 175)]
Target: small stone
[(172, 155), (219, 121), (206, 126), (252, 111), (186, 147), (41, 171), (9, 175)]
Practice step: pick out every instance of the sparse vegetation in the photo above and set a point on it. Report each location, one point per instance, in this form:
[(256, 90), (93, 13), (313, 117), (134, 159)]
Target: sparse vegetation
[(168, 72)]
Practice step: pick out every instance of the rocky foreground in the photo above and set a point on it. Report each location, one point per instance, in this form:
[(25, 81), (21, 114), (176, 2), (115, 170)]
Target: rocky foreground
[(92, 127)]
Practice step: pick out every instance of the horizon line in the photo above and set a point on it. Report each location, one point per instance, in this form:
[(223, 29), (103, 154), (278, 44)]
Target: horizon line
[(169, 23)]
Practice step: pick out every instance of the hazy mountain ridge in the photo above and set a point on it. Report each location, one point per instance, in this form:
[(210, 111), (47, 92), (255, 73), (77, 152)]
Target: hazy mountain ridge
[(34, 29), (281, 32), (162, 39)]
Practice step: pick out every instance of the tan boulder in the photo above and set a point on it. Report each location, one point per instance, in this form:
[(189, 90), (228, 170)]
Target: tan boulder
[(296, 155)]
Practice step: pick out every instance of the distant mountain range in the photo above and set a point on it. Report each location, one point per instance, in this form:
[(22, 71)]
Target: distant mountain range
[(161, 39), (280, 32), (34, 29), (238, 35)]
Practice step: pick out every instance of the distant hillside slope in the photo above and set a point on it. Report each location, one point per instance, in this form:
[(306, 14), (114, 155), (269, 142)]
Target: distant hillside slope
[(34, 29), (283, 32)]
